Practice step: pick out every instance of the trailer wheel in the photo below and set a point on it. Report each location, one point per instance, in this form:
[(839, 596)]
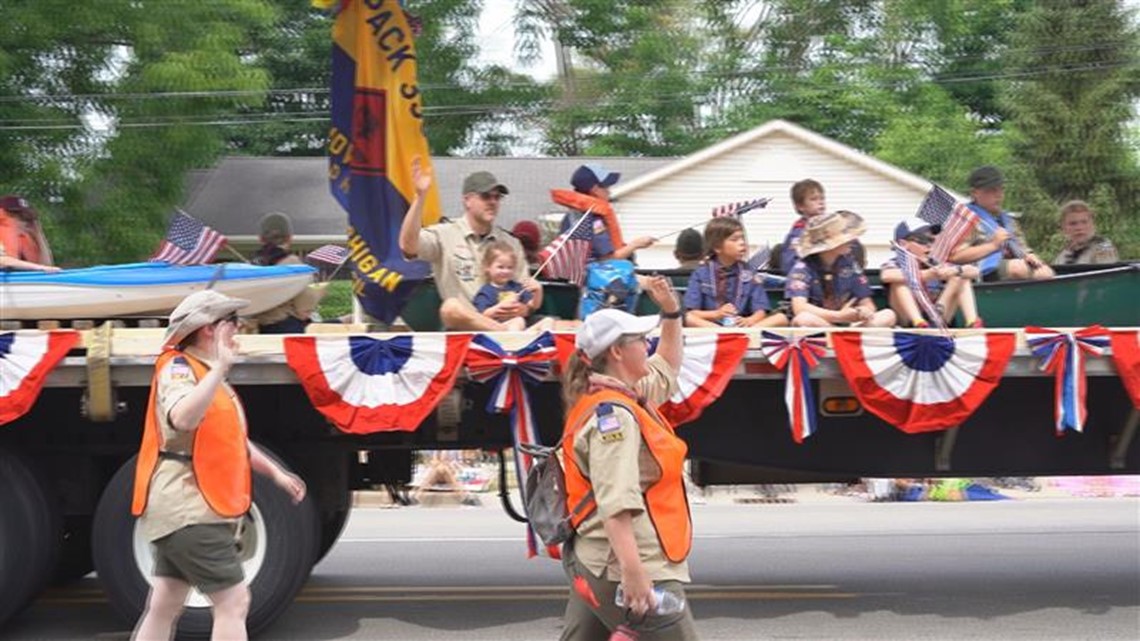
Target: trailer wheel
[(29, 534), (279, 539)]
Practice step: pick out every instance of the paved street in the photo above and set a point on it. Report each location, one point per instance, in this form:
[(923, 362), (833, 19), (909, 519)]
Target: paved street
[(819, 568)]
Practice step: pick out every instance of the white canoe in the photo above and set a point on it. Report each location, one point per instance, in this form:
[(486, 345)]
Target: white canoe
[(142, 289)]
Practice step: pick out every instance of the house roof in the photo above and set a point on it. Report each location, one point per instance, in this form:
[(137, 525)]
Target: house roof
[(233, 196), (769, 128)]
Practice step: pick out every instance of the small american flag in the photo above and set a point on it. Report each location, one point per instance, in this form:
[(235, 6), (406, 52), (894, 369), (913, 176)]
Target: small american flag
[(912, 271), (566, 256), (955, 219), (330, 254), (189, 242), (736, 209)]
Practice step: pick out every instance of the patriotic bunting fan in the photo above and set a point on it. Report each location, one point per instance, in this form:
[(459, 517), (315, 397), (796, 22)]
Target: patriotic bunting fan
[(366, 385), (26, 358), (920, 382), (1126, 354)]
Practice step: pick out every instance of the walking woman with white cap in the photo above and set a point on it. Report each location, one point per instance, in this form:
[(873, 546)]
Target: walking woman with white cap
[(624, 484), (192, 479)]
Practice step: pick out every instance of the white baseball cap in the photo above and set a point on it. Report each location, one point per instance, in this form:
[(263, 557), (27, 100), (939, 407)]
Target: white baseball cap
[(603, 328)]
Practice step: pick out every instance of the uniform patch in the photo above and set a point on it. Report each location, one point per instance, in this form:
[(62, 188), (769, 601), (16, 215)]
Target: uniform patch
[(180, 369), (607, 419), (599, 226)]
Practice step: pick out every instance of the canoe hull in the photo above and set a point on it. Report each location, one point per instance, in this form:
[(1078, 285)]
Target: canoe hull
[(142, 290)]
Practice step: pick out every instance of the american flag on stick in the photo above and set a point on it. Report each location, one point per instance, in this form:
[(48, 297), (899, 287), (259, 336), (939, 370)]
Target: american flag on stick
[(912, 271), (566, 256), (329, 254), (189, 242), (736, 209), (955, 219)]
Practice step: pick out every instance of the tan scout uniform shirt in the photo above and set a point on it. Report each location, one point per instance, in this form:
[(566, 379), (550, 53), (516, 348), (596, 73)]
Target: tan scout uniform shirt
[(174, 500), (456, 256), (1098, 251), (621, 468), (301, 306)]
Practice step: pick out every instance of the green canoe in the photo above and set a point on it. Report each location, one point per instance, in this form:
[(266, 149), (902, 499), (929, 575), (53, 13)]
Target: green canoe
[(1078, 297)]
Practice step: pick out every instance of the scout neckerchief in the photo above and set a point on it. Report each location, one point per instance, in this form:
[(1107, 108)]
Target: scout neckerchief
[(719, 277)]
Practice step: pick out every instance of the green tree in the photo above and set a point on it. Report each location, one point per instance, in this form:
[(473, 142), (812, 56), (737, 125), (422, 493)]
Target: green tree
[(106, 111), (1076, 77)]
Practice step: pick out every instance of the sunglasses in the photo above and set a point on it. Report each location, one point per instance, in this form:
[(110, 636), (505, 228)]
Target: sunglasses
[(921, 239), (232, 318)]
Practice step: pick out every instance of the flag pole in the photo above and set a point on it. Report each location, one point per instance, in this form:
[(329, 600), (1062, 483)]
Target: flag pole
[(558, 248), (237, 253)]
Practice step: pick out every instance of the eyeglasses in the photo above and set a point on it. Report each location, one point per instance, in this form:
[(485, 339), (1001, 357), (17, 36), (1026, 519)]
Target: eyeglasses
[(491, 196), (634, 339), (232, 318)]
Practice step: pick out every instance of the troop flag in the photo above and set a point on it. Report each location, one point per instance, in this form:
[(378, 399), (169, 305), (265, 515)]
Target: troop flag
[(188, 241), (377, 130)]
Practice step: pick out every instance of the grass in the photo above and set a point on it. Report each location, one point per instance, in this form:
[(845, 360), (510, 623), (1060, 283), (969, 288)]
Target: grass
[(337, 301)]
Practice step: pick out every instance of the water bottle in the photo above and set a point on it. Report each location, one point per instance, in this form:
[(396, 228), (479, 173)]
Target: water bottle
[(667, 602)]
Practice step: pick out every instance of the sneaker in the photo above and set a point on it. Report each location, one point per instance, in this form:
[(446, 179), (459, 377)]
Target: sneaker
[(920, 324), (977, 324)]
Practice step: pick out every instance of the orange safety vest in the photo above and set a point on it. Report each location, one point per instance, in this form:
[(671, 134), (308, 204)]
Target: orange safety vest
[(585, 202), (220, 455), (665, 500), (18, 242)]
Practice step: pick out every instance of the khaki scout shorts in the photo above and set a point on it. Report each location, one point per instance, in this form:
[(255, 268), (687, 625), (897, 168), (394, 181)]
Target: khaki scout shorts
[(205, 556)]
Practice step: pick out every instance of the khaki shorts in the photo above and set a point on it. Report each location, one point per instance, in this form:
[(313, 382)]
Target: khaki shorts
[(205, 556)]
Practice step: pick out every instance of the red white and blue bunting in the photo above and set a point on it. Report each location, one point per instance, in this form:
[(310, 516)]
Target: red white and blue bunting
[(796, 356), (708, 363), (366, 385), (26, 358), (1063, 355), (510, 373), (922, 382), (1126, 355)]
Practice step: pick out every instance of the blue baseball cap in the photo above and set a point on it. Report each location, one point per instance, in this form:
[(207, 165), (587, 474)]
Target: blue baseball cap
[(587, 176)]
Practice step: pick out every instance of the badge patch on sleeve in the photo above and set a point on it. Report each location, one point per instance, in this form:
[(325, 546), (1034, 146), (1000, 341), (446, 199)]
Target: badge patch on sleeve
[(609, 425), (180, 370)]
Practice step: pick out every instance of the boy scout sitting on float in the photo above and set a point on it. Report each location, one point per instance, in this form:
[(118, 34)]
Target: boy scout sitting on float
[(455, 249), (950, 286), (824, 286)]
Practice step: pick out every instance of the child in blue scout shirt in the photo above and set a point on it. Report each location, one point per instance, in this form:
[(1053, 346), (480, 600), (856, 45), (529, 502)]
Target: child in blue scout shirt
[(725, 291), (948, 285), (503, 299), (825, 287)]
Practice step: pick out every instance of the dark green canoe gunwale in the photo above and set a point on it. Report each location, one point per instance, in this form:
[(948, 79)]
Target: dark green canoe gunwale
[(1078, 297)]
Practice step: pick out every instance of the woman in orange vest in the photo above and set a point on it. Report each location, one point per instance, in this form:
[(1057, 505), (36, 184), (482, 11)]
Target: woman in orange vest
[(192, 480), (22, 242), (624, 484)]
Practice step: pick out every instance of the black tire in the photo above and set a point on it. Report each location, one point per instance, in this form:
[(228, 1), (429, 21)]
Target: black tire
[(332, 525), (289, 542), (29, 534)]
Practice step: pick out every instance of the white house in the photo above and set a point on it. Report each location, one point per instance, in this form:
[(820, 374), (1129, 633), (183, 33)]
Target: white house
[(765, 162)]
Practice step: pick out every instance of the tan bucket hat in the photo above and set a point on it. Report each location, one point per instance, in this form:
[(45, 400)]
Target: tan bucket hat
[(198, 310), (828, 231)]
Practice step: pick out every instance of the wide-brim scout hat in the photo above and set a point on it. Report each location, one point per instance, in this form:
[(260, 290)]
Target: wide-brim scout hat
[(197, 311), (603, 328), (828, 231)]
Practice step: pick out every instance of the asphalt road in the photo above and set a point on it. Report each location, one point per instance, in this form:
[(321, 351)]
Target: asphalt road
[(816, 569)]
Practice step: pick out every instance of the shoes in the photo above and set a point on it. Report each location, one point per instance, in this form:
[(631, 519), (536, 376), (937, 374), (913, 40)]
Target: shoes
[(977, 324), (920, 324)]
